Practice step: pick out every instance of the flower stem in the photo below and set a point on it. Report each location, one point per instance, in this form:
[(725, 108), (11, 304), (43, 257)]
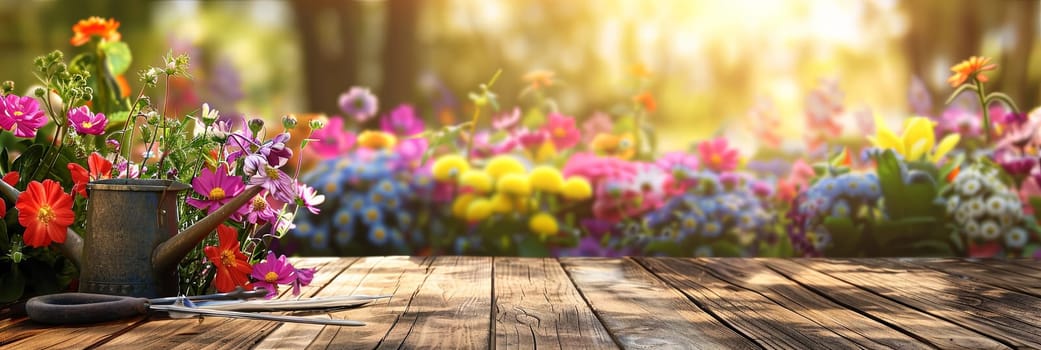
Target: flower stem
[(983, 106)]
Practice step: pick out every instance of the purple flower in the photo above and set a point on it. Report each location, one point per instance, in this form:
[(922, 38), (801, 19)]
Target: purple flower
[(958, 120), (309, 198), (303, 278), (276, 181), (729, 179), (1017, 165), (275, 150), (678, 161), (86, 122), (216, 189), (23, 114), (402, 121), (918, 96), (359, 103), (127, 169), (271, 272), (761, 189)]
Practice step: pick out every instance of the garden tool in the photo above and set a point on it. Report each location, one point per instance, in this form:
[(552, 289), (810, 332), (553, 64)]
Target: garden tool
[(80, 308)]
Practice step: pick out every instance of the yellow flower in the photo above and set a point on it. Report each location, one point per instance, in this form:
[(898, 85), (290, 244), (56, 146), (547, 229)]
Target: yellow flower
[(479, 209), (515, 184), (546, 178), (577, 188), (504, 164), (543, 224), (501, 203), (478, 180), (449, 166), (377, 139), (917, 141), (972, 67), (546, 152), (462, 204)]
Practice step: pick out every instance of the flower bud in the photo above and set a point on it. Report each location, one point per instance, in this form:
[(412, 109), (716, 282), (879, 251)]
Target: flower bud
[(289, 121), (7, 87), (317, 123), (16, 257), (39, 92), (255, 125)]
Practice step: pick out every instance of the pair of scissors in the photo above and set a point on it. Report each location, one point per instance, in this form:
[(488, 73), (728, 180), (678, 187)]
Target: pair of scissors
[(84, 308)]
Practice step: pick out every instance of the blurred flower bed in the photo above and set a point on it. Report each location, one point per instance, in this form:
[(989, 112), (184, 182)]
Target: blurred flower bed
[(961, 179)]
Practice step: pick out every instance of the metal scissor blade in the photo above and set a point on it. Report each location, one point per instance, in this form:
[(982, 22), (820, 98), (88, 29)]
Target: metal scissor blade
[(251, 316), (337, 302)]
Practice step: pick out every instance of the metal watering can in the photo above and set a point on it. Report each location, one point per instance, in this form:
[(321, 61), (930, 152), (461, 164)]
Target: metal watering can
[(131, 246)]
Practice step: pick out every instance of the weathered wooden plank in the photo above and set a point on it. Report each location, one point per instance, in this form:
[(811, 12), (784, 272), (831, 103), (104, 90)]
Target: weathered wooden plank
[(750, 313), (992, 272), (536, 306), (643, 312), (396, 276), (935, 331), (216, 332), (850, 324), (1008, 316), (1028, 263), (451, 310), (32, 335)]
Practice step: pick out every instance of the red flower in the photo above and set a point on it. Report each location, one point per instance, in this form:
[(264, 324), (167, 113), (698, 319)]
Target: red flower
[(100, 168), (647, 101), (46, 212), (233, 267), (11, 178), (3, 208)]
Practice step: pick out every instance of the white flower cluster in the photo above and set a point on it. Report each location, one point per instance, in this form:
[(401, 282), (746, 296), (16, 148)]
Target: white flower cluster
[(985, 209)]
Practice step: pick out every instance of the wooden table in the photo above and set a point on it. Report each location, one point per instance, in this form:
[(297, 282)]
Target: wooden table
[(587, 303)]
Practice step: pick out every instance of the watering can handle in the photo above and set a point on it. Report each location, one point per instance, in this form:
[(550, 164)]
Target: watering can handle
[(79, 308)]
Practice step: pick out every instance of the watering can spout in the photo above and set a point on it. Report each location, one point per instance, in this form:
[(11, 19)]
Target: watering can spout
[(169, 253), (73, 246)]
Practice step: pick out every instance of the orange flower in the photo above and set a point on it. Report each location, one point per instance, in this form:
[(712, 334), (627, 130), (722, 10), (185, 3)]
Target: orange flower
[(233, 267), (640, 71), (647, 100), (620, 146), (972, 67), (539, 78), (86, 28), (46, 212)]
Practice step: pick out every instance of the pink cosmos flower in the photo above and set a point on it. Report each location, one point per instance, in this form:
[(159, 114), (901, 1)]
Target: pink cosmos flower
[(303, 278), (86, 122), (596, 168), (599, 123), (332, 140), (530, 139), (961, 121), (507, 120), (271, 272), (262, 209), (678, 161), (562, 130), (216, 189), (21, 113), (309, 198), (717, 155), (614, 202), (359, 103), (402, 121)]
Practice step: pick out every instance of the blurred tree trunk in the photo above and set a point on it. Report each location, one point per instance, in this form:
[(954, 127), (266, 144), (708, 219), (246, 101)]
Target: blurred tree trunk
[(400, 54), (328, 29)]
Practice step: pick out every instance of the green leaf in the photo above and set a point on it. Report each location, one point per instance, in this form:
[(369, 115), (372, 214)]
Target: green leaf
[(28, 162), (665, 247), (531, 247), (12, 284), (1035, 202), (1003, 98), (82, 64), (727, 249), (625, 124), (533, 118), (845, 236), (117, 56), (958, 91), (5, 159)]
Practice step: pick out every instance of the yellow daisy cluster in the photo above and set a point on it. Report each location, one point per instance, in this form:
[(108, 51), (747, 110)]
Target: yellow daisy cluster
[(505, 185)]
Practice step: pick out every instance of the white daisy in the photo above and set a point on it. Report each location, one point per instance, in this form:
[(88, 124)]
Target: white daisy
[(1016, 238), (989, 230), (952, 204), (972, 229), (969, 187), (976, 207), (995, 205)]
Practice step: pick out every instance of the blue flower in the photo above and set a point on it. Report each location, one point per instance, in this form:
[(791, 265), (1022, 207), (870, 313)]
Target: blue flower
[(320, 240), (656, 218), (711, 229), (841, 209), (343, 236), (378, 234), (462, 245), (343, 219), (404, 219), (688, 223), (386, 187), (371, 214), (304, 228), (354, 202), (377, 197), (397, 238)]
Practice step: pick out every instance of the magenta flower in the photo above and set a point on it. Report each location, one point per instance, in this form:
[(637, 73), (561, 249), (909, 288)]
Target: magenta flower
[(276, 181), (402, 121), (359, 103), (86, 122), (530, 138), (717, 155), (303, 278), (332, 140), (271, 272), (410, 151), (309, 198), (596, 168), (562, 130), (216, 189), (21, 113), (1017, 165), (275, 150), (960, 121), (599, 123), (262, 210)]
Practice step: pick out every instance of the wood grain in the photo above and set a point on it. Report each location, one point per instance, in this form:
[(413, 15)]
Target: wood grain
[(750, 313), (643, 312), (992, 272), (850, 324), (537, 306), (216, 332), (1007, 316), (928, 328)]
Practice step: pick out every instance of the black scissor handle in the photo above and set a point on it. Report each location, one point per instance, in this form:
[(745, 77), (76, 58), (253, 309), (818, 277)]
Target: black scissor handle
[(79, 308)]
